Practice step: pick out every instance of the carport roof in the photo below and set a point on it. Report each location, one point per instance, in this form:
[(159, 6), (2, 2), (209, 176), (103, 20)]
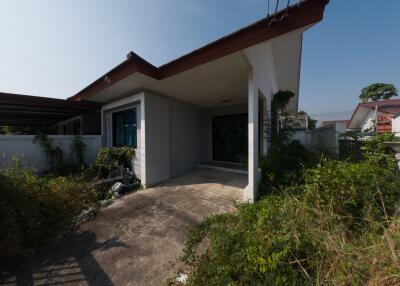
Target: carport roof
[(17, 109), (305, 13)]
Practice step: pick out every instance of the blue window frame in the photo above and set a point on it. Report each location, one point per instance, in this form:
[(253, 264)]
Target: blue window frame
[(124, 128)]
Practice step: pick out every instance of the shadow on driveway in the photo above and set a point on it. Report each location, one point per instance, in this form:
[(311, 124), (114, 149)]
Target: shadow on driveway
[(70, 263)]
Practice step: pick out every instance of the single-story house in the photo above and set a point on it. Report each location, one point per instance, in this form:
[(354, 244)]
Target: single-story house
[(381, 116), (206, 106)]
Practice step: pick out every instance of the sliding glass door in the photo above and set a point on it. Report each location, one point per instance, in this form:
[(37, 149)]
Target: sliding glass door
[(230, 135)]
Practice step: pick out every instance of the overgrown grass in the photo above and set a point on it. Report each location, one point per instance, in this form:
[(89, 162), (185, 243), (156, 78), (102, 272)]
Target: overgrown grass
[(337, 226), (35, 211)]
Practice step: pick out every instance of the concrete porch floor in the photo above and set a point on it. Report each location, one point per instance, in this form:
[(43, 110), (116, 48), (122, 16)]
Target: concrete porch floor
[(137, 240)]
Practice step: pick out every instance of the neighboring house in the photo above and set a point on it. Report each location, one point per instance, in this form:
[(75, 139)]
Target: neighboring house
[(204, 106), (381, 116)]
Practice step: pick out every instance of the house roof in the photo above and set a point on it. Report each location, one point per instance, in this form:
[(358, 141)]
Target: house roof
[(388, 106), (294, 17), (332, 122), (18, 109), (384, 106)]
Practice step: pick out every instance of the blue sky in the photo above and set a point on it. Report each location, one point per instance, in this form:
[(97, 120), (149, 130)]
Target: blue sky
[(56, 48)]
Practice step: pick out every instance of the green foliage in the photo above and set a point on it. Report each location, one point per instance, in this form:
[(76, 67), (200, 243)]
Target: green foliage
[(108, 159), (28, 130), (312, 123), (35, 211), (375, 147), (279, 101), (78, 148), (355, 192), (54, 155), (284, 164), (286, 158), (378, 91), (335, 226)]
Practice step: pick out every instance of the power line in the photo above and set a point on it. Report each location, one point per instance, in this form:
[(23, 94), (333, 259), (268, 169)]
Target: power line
[(333, 113)]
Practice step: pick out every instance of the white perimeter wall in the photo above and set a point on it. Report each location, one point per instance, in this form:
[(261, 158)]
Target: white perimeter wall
[(326, 138), (32, 154)]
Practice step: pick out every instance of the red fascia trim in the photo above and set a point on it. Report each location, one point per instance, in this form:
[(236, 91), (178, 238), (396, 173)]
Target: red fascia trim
[(309, 12)]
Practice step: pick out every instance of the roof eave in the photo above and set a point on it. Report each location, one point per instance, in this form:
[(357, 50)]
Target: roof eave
[(298, 16)]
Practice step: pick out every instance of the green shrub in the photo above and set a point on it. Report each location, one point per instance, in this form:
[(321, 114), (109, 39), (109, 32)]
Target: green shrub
[(54, 155), (284, 165), (258, 245), (78, 148), (356, 192), (336, 226), (108, 159), (37, 210)]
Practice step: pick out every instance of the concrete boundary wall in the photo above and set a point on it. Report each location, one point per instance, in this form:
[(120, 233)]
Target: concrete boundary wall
[(325, 138), (32, 154)]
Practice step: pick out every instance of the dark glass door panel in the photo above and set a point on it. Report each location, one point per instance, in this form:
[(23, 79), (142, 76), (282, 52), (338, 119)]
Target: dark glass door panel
[(230, 138), (241, 138)]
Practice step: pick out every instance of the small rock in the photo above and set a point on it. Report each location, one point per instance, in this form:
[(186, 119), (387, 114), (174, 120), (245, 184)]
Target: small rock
[(116, 189), (182, 278), (86, 215), (105, 203)]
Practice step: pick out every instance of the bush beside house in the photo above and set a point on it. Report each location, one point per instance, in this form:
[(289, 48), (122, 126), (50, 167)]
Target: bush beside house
[(36, 210), (336, 226)]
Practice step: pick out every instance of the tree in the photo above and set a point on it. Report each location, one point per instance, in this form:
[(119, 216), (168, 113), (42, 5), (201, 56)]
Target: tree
[(378, 91), (312, 123)]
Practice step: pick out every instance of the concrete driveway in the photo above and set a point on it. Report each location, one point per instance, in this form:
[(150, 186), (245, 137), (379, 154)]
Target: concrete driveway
[(135, 241)]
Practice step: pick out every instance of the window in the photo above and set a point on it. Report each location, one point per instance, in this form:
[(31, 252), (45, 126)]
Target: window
[(124, 128), (76, 128)]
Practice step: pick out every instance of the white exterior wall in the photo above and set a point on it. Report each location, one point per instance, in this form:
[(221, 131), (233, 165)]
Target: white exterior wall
[(158, 138), (172, 135), (189, 136), (176, 136), (396, 126), (32, 154), (133, 101), (368, 121)]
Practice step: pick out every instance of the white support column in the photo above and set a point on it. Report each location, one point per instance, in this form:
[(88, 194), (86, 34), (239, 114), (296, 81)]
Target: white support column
[(251, 190)]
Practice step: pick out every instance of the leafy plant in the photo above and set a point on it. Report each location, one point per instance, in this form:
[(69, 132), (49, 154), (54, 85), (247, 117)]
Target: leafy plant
[(35, 211), (54, 155), (286, 158), (108, 159), (78, 148), (378, 91), (278, 104), (335, 226)]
